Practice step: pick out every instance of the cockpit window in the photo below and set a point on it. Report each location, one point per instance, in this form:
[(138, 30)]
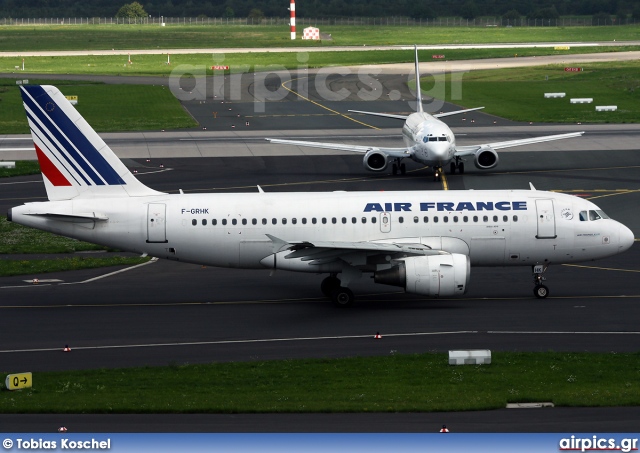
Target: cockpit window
[(442, 139), (433, 139), (592, 215)]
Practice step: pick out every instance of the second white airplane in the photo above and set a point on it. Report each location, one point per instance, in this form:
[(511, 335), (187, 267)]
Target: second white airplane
[(428, 141)]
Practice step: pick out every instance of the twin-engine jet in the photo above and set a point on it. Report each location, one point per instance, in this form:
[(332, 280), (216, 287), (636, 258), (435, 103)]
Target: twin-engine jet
[(428, 141), (422, 241)]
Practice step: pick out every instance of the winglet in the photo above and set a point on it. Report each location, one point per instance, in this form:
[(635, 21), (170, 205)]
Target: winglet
[(531, 185), (260, 189), (418, 91)]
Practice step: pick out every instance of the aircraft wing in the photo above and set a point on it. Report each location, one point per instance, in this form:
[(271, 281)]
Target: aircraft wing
[(322, 252), (455, 112), (391, 152), (468, 150)]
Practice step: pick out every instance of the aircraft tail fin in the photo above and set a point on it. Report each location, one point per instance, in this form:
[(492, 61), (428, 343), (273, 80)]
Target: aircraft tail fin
[(74, 160), (418, 91)]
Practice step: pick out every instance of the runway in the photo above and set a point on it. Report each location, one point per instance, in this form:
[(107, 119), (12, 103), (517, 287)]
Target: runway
[(168, 312)]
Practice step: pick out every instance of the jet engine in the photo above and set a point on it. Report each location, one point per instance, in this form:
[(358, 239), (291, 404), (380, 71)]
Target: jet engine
[(437, 275), (485, 158), (375, 160)]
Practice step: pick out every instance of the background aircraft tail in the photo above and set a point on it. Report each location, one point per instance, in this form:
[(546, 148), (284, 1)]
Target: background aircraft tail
[(418, 91), (74, 160)]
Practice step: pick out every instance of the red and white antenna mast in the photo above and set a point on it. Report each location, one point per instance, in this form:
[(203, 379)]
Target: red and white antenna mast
[(292, 23)]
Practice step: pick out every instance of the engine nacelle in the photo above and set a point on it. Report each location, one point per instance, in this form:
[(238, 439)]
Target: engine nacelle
[(436, 276), (375, 160), (485, 158)]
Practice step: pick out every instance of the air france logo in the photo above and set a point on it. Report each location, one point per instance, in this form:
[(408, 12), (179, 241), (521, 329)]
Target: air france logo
[(449, 206)]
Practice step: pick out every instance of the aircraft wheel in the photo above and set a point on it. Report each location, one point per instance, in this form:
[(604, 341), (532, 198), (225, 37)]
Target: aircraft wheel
[(452, 168), (541, 291), (342, 297), (394, 169), (329, 285), (403, 169), (461, 167)]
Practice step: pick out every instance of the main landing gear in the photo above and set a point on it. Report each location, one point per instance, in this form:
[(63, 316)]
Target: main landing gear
[(540, 290), (456, 165), (398, 166), (341, 296)]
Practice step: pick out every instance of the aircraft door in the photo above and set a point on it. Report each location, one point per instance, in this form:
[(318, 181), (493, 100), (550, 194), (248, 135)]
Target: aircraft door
[(385, 222), (156, 222), (546, 219)]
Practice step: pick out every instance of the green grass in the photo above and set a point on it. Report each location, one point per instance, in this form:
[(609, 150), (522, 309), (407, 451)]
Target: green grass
[(74, 263), (23, 167), (105, 37), (518, 94), (106, 107), (397, 383)]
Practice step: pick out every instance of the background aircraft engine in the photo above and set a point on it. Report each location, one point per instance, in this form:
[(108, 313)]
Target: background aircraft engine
[(375, 160), (485, 158), (438, 275)]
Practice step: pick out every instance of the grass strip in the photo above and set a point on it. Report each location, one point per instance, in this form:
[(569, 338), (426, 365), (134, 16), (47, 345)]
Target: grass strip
[(107, 108), (40, 266), (107, 37), (518, 93), (23, 168), (396, 383)]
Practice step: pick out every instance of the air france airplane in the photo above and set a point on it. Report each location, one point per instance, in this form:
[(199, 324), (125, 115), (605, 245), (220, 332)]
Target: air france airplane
[(422, 241), (428, 141)]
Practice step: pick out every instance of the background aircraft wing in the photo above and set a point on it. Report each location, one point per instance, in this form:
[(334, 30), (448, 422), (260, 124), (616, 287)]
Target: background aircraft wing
[(386, 115), (391, 152), (468, 150)]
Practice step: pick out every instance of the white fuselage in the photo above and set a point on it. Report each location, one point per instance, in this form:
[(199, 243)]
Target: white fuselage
[(494, 228), (429, 141)]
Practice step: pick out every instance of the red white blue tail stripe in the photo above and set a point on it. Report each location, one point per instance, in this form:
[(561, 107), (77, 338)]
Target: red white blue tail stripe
[(74, 160)]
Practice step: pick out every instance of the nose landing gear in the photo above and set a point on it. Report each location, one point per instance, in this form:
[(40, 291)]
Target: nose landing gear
[(540, 290)]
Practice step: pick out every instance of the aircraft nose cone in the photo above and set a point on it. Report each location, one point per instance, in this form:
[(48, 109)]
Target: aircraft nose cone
[(627, 238)]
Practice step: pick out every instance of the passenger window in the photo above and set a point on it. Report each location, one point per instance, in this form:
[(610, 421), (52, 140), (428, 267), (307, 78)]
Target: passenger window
[(304, 220), (284, 221), (264, 221), (416, 219), (354, 220), (401, 219), (445, 219), (244, 221), (254, 221), (194, 222), (495, 218), (364, 220), (224, 221), (294, 221), (505, 218), (485, 218), (475, 218), (314, 220), (373, 220), (465, 219), (515, 218), (214, 222), (344, 220), (234, 221), (324, 220), (435, 219), (425, 219), (334, 220), (455, 218), (274, 221), (204, 222)]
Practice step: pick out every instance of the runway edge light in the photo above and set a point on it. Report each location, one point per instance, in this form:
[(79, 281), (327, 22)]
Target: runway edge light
[(18, 381)]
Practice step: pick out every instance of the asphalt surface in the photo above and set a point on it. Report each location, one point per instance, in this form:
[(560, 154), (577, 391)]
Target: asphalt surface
[(168, 312)]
